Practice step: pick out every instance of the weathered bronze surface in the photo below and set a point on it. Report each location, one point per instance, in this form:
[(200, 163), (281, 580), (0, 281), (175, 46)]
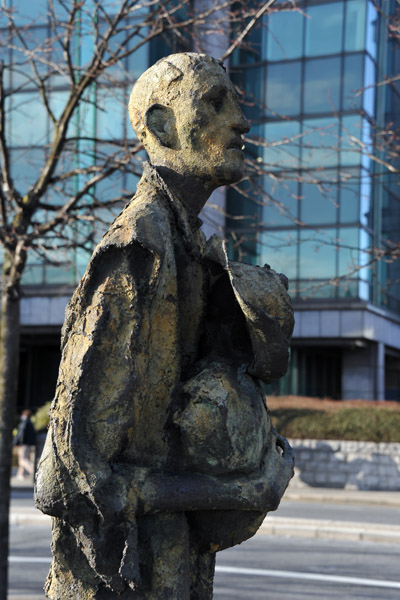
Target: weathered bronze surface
[(160, 450)]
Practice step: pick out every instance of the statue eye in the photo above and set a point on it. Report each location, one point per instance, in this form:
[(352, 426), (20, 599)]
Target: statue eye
[(217, 104)]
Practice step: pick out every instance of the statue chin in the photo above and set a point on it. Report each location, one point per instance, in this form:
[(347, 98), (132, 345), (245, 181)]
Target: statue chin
[(233, 169)]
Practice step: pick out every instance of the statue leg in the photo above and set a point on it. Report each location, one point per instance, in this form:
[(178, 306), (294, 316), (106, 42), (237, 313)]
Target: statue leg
[(202, 568), (171, 564), (164, 557)]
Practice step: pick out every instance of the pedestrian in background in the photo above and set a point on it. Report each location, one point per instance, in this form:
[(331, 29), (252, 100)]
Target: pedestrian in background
[(24, 440)]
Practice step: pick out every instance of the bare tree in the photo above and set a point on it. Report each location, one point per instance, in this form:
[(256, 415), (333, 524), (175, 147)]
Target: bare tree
[(73, 64)]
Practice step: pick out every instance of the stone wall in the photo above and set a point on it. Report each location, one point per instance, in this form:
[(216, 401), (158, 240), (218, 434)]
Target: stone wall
[(350, 465)]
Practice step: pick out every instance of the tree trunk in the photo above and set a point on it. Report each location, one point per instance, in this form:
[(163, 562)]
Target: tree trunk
[(9, 358)]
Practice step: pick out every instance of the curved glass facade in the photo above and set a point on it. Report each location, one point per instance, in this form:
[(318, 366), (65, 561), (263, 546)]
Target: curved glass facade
[(316, 68)]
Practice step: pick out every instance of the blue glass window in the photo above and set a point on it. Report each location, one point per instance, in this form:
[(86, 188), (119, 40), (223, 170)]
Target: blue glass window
[(318, 203), (33, 275), (369, 84), (110, 6), (131, 182), (284, 149), (353, 81), (139, 60), (320, 143), (82, 258), (285, 36), (372, 30), (26, 164), (83, 117), (322, 85), (29, 120), (279, 250), (7, 71), (324, 29), (355, 25), (35, 39), (250, 81), (284, 89), (280, 202), (58, 101), (349, 249), (58, 275), (29, 12), (316, 289), (68, 162), (118, 71), (349, 203), (111, 114), (348, 288), (352, 130), (365, 274), (366, 212), (111, 186), (317, 253)]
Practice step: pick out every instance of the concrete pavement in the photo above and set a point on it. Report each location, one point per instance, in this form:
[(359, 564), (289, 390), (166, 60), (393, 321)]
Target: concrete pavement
[(334, 529), (342, 496), (290, 526)]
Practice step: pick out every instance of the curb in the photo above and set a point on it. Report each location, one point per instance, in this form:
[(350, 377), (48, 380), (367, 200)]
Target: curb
[(30, 517), (331, 530), (305, 528), (343, 496)]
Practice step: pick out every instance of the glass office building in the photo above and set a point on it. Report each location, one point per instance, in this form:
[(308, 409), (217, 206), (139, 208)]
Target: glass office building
[(315, 207), (318, 206)]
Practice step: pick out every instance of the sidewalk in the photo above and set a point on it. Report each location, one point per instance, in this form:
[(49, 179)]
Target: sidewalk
[(342, 496), (274, 525), (334, 529)]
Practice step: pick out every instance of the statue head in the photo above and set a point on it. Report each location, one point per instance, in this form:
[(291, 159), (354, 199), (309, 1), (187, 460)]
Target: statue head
[(186, 112)]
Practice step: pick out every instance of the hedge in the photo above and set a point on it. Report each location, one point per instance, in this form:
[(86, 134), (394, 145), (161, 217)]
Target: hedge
[(310, 418)]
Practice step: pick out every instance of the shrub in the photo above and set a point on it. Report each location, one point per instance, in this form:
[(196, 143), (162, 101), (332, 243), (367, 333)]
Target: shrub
[(40, 419), (311, 418)]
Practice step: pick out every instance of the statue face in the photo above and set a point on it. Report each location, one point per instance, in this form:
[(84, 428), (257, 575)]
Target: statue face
[(209, 124)]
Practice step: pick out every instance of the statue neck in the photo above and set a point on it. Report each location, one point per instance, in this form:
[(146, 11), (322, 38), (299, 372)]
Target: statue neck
[(191, 191)]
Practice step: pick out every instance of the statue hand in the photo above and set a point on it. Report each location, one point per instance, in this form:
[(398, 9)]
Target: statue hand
[(277, 472)]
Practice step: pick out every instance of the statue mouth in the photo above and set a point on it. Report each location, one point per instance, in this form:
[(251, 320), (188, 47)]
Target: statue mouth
[(236, 144)]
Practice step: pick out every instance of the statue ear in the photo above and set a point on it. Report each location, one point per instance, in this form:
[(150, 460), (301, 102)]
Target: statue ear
[(160, 120)]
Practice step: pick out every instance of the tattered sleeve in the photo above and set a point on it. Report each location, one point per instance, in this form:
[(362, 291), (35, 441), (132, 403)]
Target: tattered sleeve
[(108, 417)]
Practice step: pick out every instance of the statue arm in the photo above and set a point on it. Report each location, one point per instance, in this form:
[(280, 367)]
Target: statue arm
[(262, 296), (260, 491), (101, 405)]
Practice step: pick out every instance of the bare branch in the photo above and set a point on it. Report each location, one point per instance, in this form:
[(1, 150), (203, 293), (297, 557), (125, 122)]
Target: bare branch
[(247, 29), (40, 81), (7, 185), (69, 30), (69, 206), (373, 157)]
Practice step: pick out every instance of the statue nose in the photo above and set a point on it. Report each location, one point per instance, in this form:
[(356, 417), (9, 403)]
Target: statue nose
[(240, 123), (243, 126)]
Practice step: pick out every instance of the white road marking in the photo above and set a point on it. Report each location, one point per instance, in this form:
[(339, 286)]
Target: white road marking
[(29, 559), (309, 576), (260, 573)]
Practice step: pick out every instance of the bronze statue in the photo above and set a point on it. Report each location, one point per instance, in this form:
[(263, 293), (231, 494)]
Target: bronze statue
[(160, 450)]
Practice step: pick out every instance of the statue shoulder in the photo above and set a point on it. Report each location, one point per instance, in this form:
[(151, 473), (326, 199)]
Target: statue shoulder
[(144, 220)]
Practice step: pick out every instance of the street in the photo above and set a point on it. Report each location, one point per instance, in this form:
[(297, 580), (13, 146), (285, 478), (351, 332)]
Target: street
[(313, 568), (303, 557)]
